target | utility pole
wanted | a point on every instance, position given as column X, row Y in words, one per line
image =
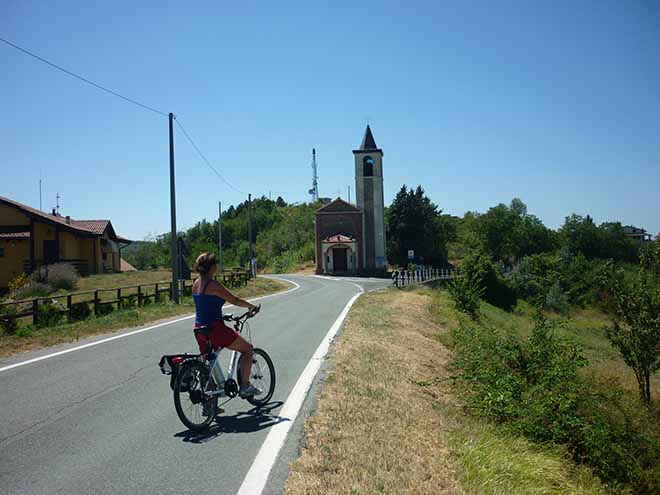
column 349, row 194
column 175, row 255
column 220, row 234
column 40, row 208
column 250, row 229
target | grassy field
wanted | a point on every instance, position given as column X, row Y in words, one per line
column 389, row 420
column 119, row 319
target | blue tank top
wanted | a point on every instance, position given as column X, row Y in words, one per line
column 208, row 308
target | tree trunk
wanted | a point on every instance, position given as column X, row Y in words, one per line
column 647, row 385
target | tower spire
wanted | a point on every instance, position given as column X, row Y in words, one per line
column 368, row 142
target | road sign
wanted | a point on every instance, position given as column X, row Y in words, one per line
column 411, row 254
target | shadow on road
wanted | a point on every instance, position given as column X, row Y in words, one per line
column 257, row 418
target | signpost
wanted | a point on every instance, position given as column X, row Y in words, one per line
column 411, row 254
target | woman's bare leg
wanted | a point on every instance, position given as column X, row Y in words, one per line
column 245, row 348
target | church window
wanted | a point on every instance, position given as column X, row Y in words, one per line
column 368, row 166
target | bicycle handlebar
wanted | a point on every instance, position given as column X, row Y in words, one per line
column 250, row 313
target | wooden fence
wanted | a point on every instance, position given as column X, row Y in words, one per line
column 128, row 296
column 402, row 278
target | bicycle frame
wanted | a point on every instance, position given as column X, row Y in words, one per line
column 230, row 371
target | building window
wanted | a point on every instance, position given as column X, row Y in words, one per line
column 2, row 252
column 368, row 166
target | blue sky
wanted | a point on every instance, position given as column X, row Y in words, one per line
column 557, row 103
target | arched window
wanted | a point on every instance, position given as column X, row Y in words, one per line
column 368, row 166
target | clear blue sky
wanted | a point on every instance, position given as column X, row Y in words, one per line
column 557, row 103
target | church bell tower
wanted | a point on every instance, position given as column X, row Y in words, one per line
column 369, row 198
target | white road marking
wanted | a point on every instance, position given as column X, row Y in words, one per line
column 134, row 332
column 257, row 476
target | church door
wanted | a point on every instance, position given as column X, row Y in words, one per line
column 339, row 260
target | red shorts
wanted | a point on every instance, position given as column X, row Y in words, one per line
column 219, row 336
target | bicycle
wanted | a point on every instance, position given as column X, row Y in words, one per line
column 200, row 380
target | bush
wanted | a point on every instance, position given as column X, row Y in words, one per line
column 556, row 300
column 48, row 315
column 25, row 331
column 104, row 309
column 62, row 276
column 80, row 311
column 131, row 301
column 8, row 319
column 34, row 289
column 466, row 295
column 532, row 387
column 18, row 282
column 481, row 270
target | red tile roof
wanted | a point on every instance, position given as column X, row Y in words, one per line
column 338, row 238
column 96, row 227
column 125, row 266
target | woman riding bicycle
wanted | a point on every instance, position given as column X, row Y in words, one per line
column 209, row 297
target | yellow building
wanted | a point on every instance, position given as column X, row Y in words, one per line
column 30, row 238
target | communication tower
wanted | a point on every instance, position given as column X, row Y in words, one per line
column 314, row 191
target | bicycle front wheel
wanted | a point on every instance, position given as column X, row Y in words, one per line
column 262, row 376
column 195, row 409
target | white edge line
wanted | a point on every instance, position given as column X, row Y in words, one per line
column 256, row 478
column 134, row 332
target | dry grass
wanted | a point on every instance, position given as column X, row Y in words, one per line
column 376, row 430
column 388, row 419
column 118, row 320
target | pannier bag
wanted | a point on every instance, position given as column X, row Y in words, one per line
column 170, row 365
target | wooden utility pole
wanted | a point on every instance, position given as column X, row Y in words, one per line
column 220, row 235
column 250, row 229
column 175, row 256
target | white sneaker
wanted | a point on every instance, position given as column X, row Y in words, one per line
column 249, row 391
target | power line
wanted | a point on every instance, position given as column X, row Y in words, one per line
column 91, row 83
column 208, row 163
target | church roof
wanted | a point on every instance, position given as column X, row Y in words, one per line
column 337, row 206
column 368, row 142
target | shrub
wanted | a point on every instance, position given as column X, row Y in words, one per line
column 479, row 268
column 466, row 294
column 34, row 289
column 25, row 331
column 80, row 311
column 8, row 319
column 18, row 282
column 131, row 301
column 556, row 300
column 48, row 315
column 104, row 309
column 62, row 276
column 532, row 387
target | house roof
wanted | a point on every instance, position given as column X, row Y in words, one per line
column 631, row 229
column 338, row 206
column 338, row 239
column 86, row 227
column 125, row 266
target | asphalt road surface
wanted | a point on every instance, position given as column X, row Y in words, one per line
column 101, row 419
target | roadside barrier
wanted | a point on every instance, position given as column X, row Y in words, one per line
column 404, row 277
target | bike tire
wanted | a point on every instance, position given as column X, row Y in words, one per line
column 261, row 362
column 191, row 379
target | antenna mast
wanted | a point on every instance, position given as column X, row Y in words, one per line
column 314, row 191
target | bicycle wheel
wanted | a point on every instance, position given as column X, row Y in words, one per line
column 262, row 376
column 195, row 410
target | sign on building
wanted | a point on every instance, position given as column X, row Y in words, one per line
column 411, row 254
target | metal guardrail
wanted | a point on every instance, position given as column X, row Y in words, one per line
column 402, row 278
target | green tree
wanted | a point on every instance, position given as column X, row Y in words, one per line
column 414, row 222
column 636, row 332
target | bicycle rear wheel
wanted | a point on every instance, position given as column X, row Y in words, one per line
column 195, row 409
column 262, row 376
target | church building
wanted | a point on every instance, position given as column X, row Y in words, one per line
column 350, row 238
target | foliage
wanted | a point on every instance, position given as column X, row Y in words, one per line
column 25, row 331
column 80, row 311
column 104, row 309
column 416, row 223
column 21, row 280
column 130, row 301
column 466, row 294
column 649, row 258
column 606, row 241
column 636, row 333
column 557, row 300
column 34, row 289
column 61, row 276
column 8, row 321
column 533, row 387
column 48, row 315
column 480, row 269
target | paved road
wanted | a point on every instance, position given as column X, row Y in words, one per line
column 101, row 419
